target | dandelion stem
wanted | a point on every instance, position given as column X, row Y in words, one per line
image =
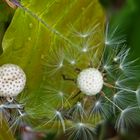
column 111, row 101
column 116, row 87
column 129, row 90
column 109, row 85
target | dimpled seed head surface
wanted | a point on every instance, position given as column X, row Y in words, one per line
column 12, row 80
column 90, row 81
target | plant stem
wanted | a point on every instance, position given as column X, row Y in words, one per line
column 111, row 101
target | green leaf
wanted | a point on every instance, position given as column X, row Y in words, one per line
column 5, row 18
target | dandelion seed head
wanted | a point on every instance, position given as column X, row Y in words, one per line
column 90, row 81
column 12, row 80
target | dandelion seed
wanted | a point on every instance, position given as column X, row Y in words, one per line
column 123, row 99
column 80, row 124
column 18, row 120
column 111, row 37
column 57, row 117
column 77, row 111
column 107, row 42
column 106, row 67
column 84, row 50
column 79, row 104
column 86, row 32
column 123, row 81
column 100, row 110
column 115, row 96
column 73, row 62
column 60, row 65
column 81, row 131
column 128, row 118
column 121, row 67
column 55, row 64
column 61, row 93
column 115, row 59
column 97, row 103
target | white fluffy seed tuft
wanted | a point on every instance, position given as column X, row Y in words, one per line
column 12, row 80
column 90, row 81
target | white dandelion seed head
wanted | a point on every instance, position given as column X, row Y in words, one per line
column 12, row 80
column 90, row 81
